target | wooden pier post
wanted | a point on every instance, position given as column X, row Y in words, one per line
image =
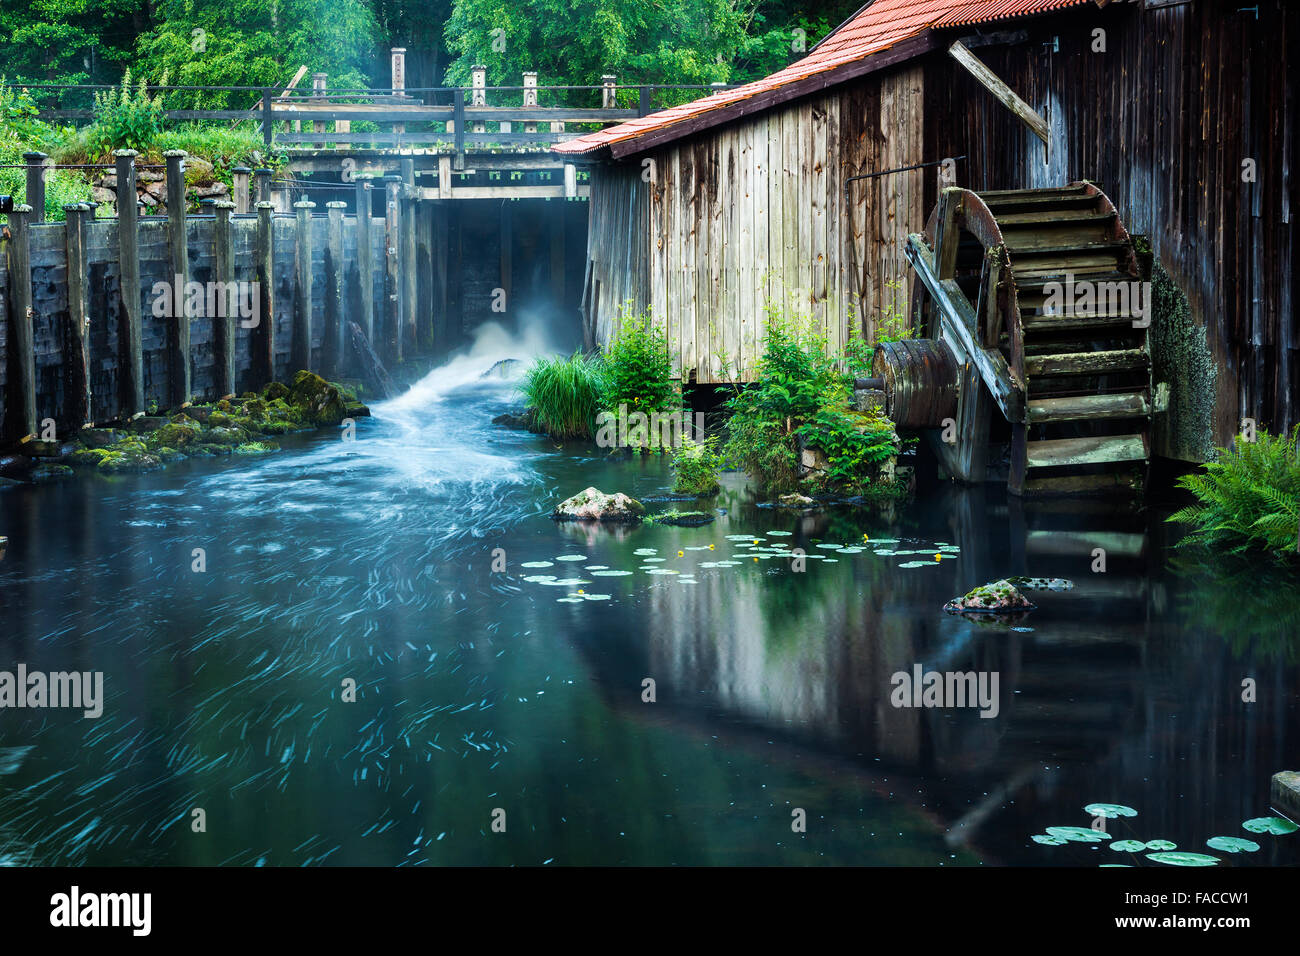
column 264, row 335
column 128, row 268
column 22, row 337
column 262, row 178
column 392, row 331
column 224, row 255
column 365, row 260
column 77, row 357
column 332, row 340
column 530, row 99
column 608, row 91
column 178, row 337
column 424, row 273
column 239, row 178
column 409, row 336
column 318, row 81
column 36, row 184
column 399, row 81
column 478, row 92
column 300, row 350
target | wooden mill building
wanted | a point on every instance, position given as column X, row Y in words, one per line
column 803, row 187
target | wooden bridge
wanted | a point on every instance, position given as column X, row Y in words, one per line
column 503, row 131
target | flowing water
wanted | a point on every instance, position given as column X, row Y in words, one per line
column 516, row 698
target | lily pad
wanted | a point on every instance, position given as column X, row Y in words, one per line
column 1048, row 840
column 780, row 534
column 571, row 557
column 1128, row 846
column 1274, row 825
column 1232, row 844
column 1183, row 858
column 1109, row 810
column 1161, row 845
column 610, row 574
column 537, row 564
column 917, row 564
column 1079, row 834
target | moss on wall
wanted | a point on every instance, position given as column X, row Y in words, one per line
column 1181, row 358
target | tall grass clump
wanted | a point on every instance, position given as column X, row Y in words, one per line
column 1249, row 498
column 563, row 395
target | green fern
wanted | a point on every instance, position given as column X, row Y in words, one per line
column 1249, row 498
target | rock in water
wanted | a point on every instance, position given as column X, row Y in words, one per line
column 998, row 597
column 594, row 505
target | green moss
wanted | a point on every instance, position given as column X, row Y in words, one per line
column 319, row 402
column 257, row 448
column 167, row 454
column 1181, row 358
column 225, row 436
column 88, row 457
column 273, row 391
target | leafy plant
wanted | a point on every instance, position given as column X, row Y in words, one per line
column 127, row 117
column 852, row 442
column 695, row 467
column 1249, row 498
column 564, row 394
column 639, row 371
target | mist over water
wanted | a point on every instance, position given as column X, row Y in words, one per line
column 370, row 561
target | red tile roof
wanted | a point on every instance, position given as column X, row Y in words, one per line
column 877, row 27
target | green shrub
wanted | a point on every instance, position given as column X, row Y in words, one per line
column 802, row 397
column 695, row 467
column 639, row 370
column 127, row 118
column 564, row 394
column 1249, row 498
column 854, row 444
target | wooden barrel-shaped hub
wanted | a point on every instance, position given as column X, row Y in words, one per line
column 921, row 382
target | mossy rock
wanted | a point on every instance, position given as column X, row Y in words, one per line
column 148, row 423
column 321, row 403
column 277, row 428
column 117, row 461
column 167, row 454
column 224, row 436
column 208, row 450
column 273, row 391
column 223, row 405
column 999, row 597
column 88, row 457
column 100, row 437
column 255, row 408
column 46, row 473
column 685, row 519
column 257, row 448
column 180, row 431
column 591, row 504
column 200, row 413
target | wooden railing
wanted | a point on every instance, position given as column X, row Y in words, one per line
column 453, row 117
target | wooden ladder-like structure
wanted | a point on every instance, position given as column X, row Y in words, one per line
column 1041, row 296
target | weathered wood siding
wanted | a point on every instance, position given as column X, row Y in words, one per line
column 1162, row 120
column 758, row 212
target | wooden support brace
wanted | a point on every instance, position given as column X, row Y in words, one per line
column 1005, row 95
column 128, row 259
column 300, row 357
column 78, row 351
column 178, row 339
column 223, row 243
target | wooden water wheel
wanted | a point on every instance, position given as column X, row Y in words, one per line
column 1037, row 297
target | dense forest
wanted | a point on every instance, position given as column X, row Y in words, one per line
column 264, row 42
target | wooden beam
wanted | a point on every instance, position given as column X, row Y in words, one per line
column 503, row 192
column 957, row 319
column 1004, row 94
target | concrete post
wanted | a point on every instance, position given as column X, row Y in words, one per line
column 36, row 184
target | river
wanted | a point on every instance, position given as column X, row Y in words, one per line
column 502, row 718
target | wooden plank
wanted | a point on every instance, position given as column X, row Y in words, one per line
column 817, row 221
column 958, row 322
column 1087, row 363
column 1090, row 407
column 1004, row 94
column 225, row 321
column 1085, row 451
column 77, row 353
column 178, row 339
column 743, row 301
column 263, row 363
column 20, row 417
column 790, row 210
column 128, row 259
column 761, row 225
column 671, row 251
column 300, row 347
